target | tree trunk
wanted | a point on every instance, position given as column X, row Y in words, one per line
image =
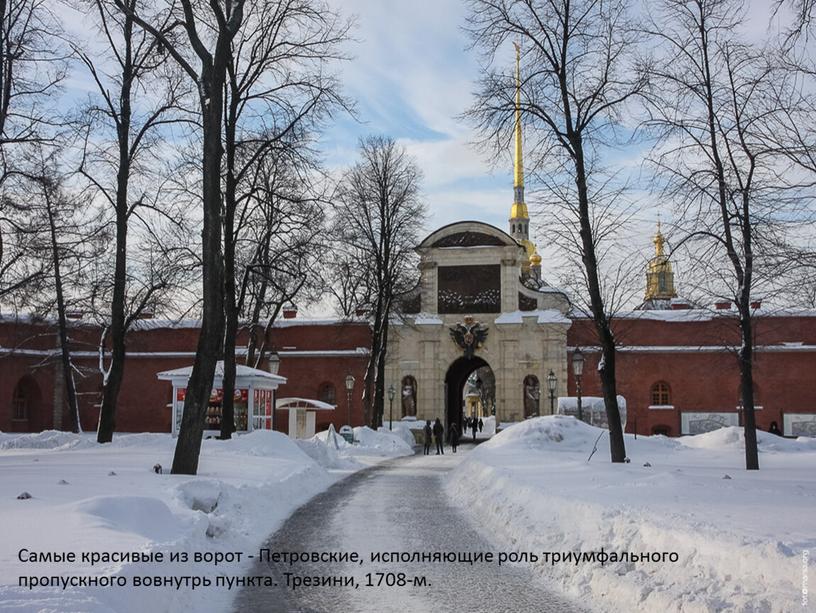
column 230, row 306
column 379, row 385
column 188, row 446
column 62, row 330
column 617, row 446
column 112, row 380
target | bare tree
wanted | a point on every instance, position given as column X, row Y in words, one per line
column 378, row 215
column 579, row 75
column 276, row 90
column 209, row 29
column 348, row 283
column 279, row 247
column 139, row 72
column 32, row 67
column 714, row 104
column 67, row 236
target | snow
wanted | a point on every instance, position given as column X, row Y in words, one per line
column 404, row 428
column 241, row 372
column 739, row 538
column 545, row 316
column 88, row 497
column 384, row 443
column 424, row 319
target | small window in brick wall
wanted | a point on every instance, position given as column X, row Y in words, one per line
column 326, row 393
column 661, row 395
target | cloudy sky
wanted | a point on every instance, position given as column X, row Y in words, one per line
column 411, row 76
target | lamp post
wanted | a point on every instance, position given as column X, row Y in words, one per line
column 391, row 392
column 273, row 362
column 578, row 371
column 349, row 388
column 552, row 383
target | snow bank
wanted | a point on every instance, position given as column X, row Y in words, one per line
column 731, row 437
column 326, row 454
column 107, row 498
column 49, row 439
column 380, row 443
column 402, row 430
column 739, row 540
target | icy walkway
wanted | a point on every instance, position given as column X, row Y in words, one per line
column 398, row 506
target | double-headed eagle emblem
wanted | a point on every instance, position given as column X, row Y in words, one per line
column 470, row 335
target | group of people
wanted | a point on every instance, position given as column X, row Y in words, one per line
column 436, row 433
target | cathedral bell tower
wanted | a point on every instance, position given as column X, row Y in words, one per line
column 659, row 273
column 519, row 221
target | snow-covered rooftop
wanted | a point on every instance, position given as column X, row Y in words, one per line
column 241, row 372
column 543, row 316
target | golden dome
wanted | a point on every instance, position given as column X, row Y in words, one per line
column 659, row 273
column 535, row 259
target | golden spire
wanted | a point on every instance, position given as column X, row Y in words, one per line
column 658, row 241
column 519, row 210
column 518, row 167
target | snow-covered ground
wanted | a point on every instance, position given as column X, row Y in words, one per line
column 107, row 498
column 739, row 535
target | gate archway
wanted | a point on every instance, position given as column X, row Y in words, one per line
column 455, row 380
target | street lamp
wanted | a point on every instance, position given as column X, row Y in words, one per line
column 273, row 363
column 578, row 371
column 349, row 388
column 552, row 383
column 391, row 392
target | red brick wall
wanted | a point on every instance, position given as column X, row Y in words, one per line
column 699, row 381
column 702, row 380
column 143, row 400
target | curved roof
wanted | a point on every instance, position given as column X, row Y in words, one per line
column 482, row 233
column 241, row 372
column 309, row 404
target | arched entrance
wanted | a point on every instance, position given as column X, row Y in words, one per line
column 455, row 380
column 26, row 415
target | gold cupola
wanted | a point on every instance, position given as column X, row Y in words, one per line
column 659, row 274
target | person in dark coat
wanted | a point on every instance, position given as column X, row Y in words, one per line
column 481, row 424
column 438, row 432
column 774, row 429
column 474, row 426
column 453, row 433
column 428, row 437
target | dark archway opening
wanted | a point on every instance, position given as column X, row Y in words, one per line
column 455, row 380
column 26, row 414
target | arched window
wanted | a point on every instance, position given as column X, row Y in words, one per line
column 327, row 393
column 532, row 396
column 661, row 394
column 25, row 404
column 19, row 403
column 408, row 394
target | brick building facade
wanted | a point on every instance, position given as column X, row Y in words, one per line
column 316, row 356
column 677, row 362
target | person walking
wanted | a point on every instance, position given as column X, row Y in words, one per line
column 439, row 432
column 453, row 433
column 774, row 429
column 428, row 437
column 481, row 424
column 474, row 426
